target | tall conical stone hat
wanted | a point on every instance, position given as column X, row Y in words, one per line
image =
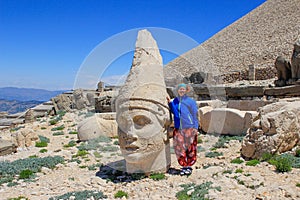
column 145, row 79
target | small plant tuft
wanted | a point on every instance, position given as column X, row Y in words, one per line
column 213, row 154
column 239, row 171
column 43, row 150
column 236, row 161
column 120, row 194
column 81, row 195
column 157, row 176
column 41, row 144
column 25, row 174
column 252, row 162
column 199, row 191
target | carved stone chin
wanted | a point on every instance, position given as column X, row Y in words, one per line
column 142, row 111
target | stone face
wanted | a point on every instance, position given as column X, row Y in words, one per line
column 225, row 120
column 96, row 126
column 79, row 100
column 142, row 111
column 275, row 130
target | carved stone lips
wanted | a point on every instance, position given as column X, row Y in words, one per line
column 131, row 148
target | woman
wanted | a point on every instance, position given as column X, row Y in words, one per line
column 185, row 133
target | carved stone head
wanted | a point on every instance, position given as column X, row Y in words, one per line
column 142, row 111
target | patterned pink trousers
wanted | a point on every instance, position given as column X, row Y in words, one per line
column 185, row 146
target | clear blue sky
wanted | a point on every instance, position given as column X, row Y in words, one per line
column 43, row 43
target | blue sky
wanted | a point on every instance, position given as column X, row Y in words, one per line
column 44, row 43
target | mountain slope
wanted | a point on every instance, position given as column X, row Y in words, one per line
column 27, row 94
column 257, row 38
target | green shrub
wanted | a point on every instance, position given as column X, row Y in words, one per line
column 199, row 140
column 237, row 161
column 53, row 121
column 81, row 153
column 121, row 194
column 283, row 164
column 266, row 156
column 97, row 154
column 213, row 154
column 116, row 142
column 58, row 133
column 252, row 162
column 43, row 128
column 9, row 170
column 94, row 144
column 81, row 195
column 239, row 171
column 59, row 128
column 94, row 166
column 285, row 160
column 71, row 143
column 297, row 184
column 44, row 139
column 73, row 132
column 19, row 198
column 157, row 176
column 297, row 153
column 25, row 174
column 41, row 144
column 43, row 150
column 199, row 191
column 227, row 172
column 16, row 129
column 225, row 139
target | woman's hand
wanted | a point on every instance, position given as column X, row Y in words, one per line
column 168, row 99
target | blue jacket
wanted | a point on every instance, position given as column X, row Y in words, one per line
column 185, row 112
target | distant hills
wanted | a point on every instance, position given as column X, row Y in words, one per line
column 27, row 94
column 14, row 106
column 14, row 100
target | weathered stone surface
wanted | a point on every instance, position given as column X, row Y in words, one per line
column 295, row 61
column 24, row 137
column 225, row 120
column 7, row 147
column 142, row 111
column 29, row 116
column 247, row 105
column 292, row 90
column 96, row 126
column 284, row 73
column 105, row 101
column 275, row 130
column 80, row 101
column 62, row 102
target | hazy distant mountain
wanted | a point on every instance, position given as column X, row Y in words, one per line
column 27, row 94
column 14, row 106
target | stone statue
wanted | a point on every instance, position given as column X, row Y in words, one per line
column 79, row 100
column 283, row 68
column 142, row 111
column 295, row 61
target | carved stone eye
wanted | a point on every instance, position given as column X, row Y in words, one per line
column 141, row 120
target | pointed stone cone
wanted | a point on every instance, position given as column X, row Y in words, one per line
column 145, row 79
column 142, row 111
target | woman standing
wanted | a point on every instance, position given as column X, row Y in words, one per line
column 185, row 133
